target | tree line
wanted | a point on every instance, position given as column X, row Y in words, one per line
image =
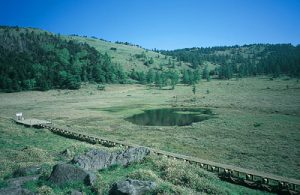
column 247, row 60
column 167, row 77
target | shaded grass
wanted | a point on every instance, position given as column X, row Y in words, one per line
column 42, row 186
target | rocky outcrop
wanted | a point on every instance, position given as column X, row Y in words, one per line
column 63, row 173
column 132, row 187
column 97, row 159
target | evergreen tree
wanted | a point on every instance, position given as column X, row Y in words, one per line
column 150, row 76
column 194, row 89
column 158, row 80
column 205, row 73
column 197, row 75
column 185, row 77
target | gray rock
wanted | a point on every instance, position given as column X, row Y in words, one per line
column 19, row 181
column 15, row 191
column 15, row 186
column 25, row 171
column 132, row 187
column 97, row 159
column 63, row 173
column 75, row 192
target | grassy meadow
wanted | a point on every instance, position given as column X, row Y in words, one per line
column 21, row 147
column 256, row 126
column 125, row 54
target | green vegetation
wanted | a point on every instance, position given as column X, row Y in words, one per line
column 21, row 147
column 131, row 56
column 247, row 60
column 30, row 59
column 172, row 177
column 231, row 137
column 118, row 80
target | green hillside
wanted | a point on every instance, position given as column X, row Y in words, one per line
column 130, row 56
column 33, row 59
column 246, row 60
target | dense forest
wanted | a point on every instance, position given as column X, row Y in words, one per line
column 33, row 59
column 247, row 60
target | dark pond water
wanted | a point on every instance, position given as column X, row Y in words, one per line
column 170, row 116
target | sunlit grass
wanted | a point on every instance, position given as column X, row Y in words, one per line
column 256, row 124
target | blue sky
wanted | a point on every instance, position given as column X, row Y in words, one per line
column 162, row 24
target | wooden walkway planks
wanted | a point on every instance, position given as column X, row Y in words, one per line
column 265, row 178
column 32, row 122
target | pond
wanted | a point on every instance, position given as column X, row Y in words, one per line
column 170, row 116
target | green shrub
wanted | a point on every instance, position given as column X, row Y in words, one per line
column 142, row 174
column 3, row 184
column 187, row 175
column 101, row 87
column 45, row 190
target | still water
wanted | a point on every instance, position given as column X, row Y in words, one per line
column 170, row 116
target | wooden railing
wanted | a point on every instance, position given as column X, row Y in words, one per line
column 246, row 177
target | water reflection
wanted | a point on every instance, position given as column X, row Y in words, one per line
column 170, row 116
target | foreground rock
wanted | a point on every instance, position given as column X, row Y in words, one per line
column 15, row 191
column 75, row 192
column 132, row 187
column 63, row 173
column 97, row 159
column 15, row 186
column 19, row 181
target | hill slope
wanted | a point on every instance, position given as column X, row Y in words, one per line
column 247, row 60
column 35, row 59
column 130, row 56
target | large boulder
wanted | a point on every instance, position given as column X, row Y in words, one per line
column 97, row 159
column 132, row 187
column 64, row 173
column 132, row 155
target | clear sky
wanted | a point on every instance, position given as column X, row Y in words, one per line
column 162, row 24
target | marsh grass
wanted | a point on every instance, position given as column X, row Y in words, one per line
column 232, row 137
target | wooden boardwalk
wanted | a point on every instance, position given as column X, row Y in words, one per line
column 32, row 122
column 250, row 178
